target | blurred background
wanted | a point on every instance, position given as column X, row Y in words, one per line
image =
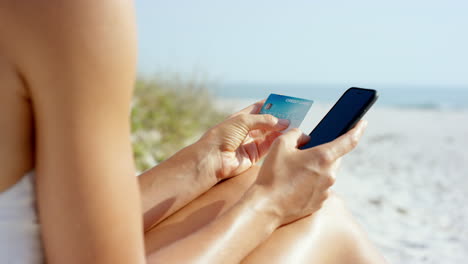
column 407, row 182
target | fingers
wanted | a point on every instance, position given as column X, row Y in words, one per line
column 345, row 143
column 251, row 109
column 265, row 144
column 266, row 122
column 293, row 138
column 303, row 140
column 258, row 133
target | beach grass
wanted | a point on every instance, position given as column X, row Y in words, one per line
column 168, row 113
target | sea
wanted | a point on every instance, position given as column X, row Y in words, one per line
column 402, row 96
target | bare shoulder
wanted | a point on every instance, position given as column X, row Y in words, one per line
column 76, row 60
column 48, row 37
column 72, row 53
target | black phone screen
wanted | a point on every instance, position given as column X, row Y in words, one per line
column 347, row 111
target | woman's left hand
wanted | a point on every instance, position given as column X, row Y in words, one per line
column 241, row 140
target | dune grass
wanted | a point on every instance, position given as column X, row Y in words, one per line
column 167, row 114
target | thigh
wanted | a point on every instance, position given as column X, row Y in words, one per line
column 200, row 211
column 328, row 236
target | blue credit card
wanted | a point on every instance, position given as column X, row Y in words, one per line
column 286, row 107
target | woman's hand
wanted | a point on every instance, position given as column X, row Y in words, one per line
column 225, row 150
column 241, row 140
column 295, row 182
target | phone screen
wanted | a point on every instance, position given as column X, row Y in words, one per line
column 343, row 116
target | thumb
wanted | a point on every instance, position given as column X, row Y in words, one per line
column 266, row 122
column 293, row 138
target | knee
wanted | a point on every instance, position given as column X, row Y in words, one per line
column 328, row 218
column 333, row 216
column 338, row 233
column 333, row 202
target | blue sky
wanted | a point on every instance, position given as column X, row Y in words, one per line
column 403, row 42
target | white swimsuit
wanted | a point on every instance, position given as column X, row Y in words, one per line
column 20, row 241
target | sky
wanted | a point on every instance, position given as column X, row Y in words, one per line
column 410, row 42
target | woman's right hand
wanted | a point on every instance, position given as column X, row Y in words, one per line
column 296, row 182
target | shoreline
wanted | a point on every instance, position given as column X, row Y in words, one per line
column 221, row 102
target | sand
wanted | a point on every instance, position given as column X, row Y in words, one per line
column 407, row 182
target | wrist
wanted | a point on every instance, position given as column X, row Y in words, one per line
column 257, row 200
column 186, row 175
column 191, row 166
column 204, row 162
column 209, row 158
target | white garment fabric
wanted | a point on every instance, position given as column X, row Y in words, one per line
column 20, row 241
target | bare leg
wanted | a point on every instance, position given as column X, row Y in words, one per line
column 328, row 236
column 199, row 212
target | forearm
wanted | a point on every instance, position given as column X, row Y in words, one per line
column 229, row 238
column 172, row 184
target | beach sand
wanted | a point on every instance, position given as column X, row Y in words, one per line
column 407, row 181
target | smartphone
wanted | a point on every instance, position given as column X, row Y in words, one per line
column 346, row 112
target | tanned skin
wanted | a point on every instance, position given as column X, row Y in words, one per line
column 67, row 69
column 71, row 68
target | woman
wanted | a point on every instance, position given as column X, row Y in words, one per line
column 66, row 69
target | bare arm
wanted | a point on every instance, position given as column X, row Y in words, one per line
column 78, row 61
column 174, row 183
column 291, row 184
column 226, row 150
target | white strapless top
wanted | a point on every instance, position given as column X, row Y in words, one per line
column 20, row 241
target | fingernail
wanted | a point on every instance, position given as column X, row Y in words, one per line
column 283, row 122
